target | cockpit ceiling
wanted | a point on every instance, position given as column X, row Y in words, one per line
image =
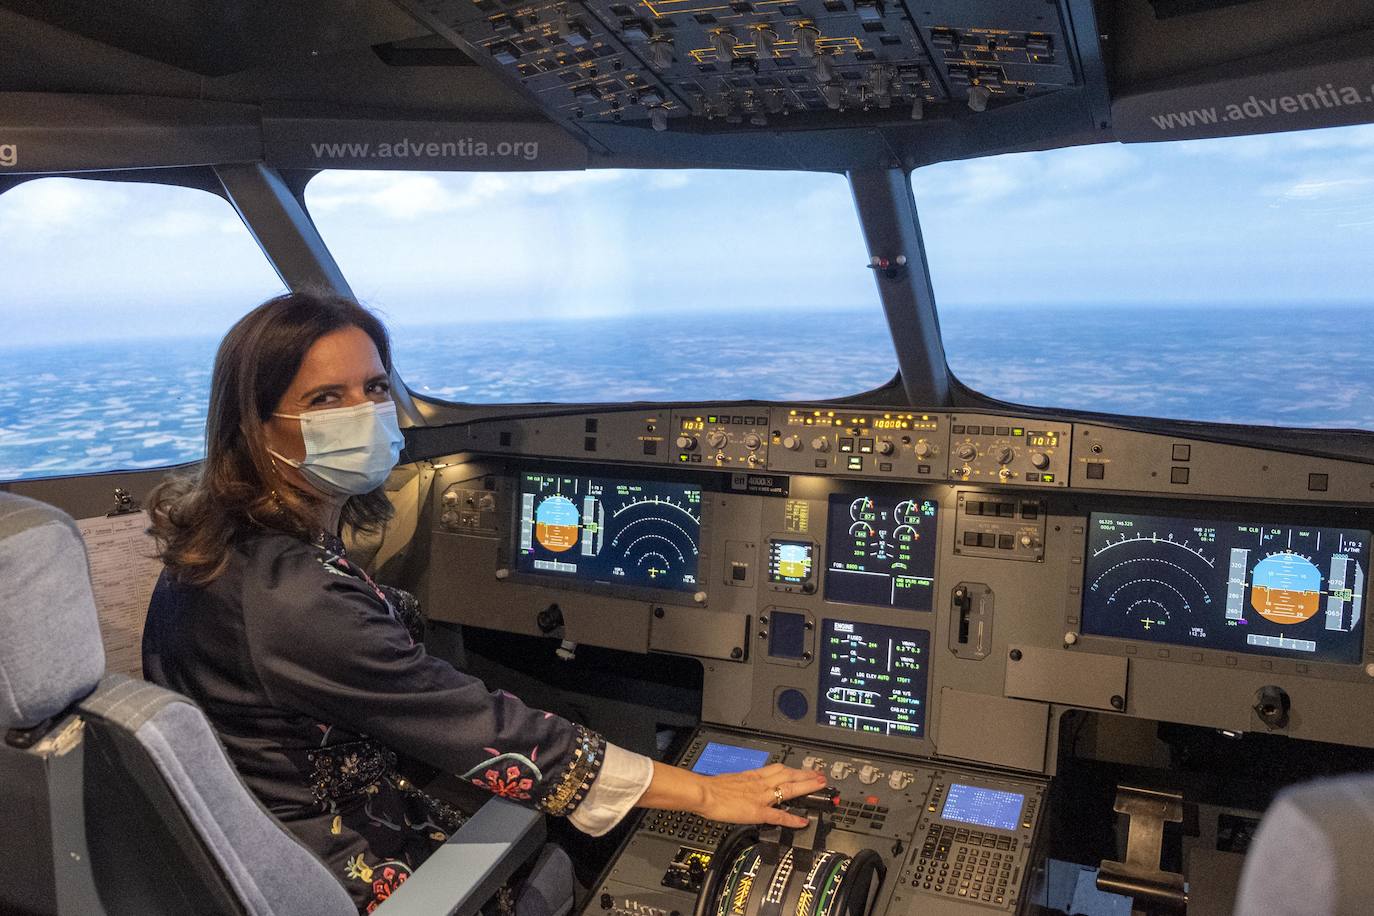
column 774, row 83
column 722, row 64
column 213, row 39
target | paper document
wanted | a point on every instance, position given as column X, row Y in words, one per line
column 124, row 570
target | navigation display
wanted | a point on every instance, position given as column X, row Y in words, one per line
column 982, row 806
column 717, row 758
column 873, row 678
column 595, row 529
column 882, row 551
column 1292, row 590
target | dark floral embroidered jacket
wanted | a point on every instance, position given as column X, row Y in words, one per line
column 317, row 683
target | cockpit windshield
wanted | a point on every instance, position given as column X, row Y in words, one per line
column 1219, row 280
column 602, row 286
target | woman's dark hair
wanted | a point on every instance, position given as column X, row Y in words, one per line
column 195, row 519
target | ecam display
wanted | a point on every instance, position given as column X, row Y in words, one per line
column 881, row 550
column 873, row 678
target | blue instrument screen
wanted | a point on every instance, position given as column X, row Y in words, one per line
column 728, row 758
column 984, row 807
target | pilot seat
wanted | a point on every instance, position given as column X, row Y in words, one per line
column 118, row 797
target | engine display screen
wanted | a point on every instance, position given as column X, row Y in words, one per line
column 984, row 807
column 790, row 561
column 595, row 529
column 717, row 758
column 873, row 678
column 1289, row 590
column 882, row 551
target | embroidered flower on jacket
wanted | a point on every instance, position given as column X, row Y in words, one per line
column 508, row 775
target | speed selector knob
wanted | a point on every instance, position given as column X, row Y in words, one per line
column 922, row 448
column 821, row 444
column 716, row 439
column 686, row 443
column 792, row 443
column 885, row 447
column 752, row 442
column 967, row 453
column 1004, row 455
column 1039, row 460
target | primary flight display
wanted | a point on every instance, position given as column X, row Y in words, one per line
column 1295, row 590
column 607, row 530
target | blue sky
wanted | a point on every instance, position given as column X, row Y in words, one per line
column 1283, row 219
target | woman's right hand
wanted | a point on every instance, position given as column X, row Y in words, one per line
column 750, row 797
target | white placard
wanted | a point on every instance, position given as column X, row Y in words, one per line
column 124, row 570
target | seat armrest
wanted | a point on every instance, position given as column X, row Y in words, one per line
column 463, row 874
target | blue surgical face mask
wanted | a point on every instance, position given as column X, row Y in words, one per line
column 349, row 451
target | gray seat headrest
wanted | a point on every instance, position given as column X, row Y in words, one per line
column 51, row 654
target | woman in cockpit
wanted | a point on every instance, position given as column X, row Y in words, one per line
column 311, row 672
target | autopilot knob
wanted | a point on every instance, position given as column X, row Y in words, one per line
column 1039, row 460
column 1004, row 455
column 885, row 447
column 752, row 441
column 686, row 443
column 966, row 452
column 792, row 443
column 821, row 444
column 922, row 448
column 716, row 439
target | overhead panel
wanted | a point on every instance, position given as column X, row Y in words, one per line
column 712, row 65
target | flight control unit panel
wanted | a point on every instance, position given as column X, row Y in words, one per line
column 913, row 602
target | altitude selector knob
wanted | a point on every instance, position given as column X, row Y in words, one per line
column 821, row 444
column 686, row 443
column 922, row 448
column 885, row 447
column 967, row 453
column 716, row 439
column 792, row 443
column 1004, row 455
column 1039, row 460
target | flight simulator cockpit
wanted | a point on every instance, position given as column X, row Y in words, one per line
column 998, row 544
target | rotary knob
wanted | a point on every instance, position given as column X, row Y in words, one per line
column 900, row 779
column 967, row 452
column 922, row 448
column 1039, row 460
column 821, row 444
column 869, row 774
column 814, row 763
column 752, row 442
column 1004, row 455
column 792, row 443
column 885, row 447
column 716, row 439
column 841, row 769
column 686, row 443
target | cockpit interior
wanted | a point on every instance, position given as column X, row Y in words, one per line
column 1058, row 624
